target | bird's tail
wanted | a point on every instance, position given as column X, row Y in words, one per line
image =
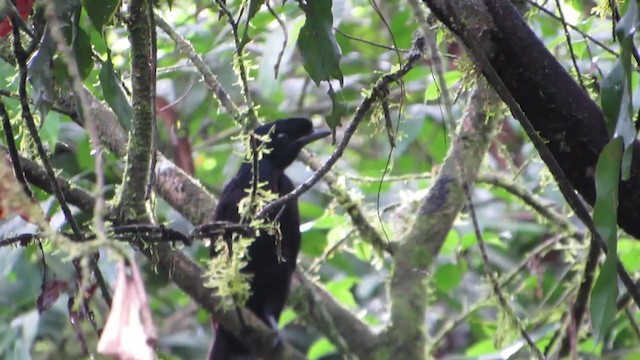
column 226, row 347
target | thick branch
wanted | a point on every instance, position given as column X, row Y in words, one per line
column 37, row 176
column 339, row 324
column 559, row 110
column 131, row 201
column 548, row 104
column 421, row 244
column 181, row 191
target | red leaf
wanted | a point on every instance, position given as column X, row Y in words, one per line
column 24, row 9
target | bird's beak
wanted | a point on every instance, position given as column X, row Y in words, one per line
column 315, row 135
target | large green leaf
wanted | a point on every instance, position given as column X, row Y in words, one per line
column 317, row 43
column 254, row 7
column 114, row 94
column 605, row 291
column 100, row 12
column 83, row 52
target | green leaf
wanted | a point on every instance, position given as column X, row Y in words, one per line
column 320, row 348
column 605, row 290
column 329, row 221
column 629, row 254
column 482, row 347
column 627, row 26
column 50, row 129
column 451, row 243
column 613, row 88
column 448, row 276
column 286, row 317
column 83, row 52
column 114, row 94
column 603, row 300
column 607, row 179
column 433, row 92
column 254, row 7
column 317, row 43
column 101, row 12
column 341, row 291
column 83, row 154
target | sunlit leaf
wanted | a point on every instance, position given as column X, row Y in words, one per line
column 341, row 290
column 320, row 348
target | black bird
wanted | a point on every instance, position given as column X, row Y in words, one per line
column 271, row 274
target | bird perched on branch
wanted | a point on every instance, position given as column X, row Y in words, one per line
column 271, row 260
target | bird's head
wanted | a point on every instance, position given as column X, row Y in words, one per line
column 287, row 137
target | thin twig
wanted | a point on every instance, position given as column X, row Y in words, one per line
column 567, row 35
column 242, row 69
column 78, row 89
column 285, row 33
column 438, row 65
column 209, row 78
column 573, row 27
column 33, row 132
column 632, row 320
column 489, row 271
column 582, row 297
column 545, row 210
column 397, row 178
column 13, row 150
column 368, row 42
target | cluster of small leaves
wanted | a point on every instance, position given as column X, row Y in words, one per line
column 224, row 272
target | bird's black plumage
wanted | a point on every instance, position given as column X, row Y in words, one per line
column 271, row 275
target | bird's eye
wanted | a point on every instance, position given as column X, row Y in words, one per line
column 283, row 137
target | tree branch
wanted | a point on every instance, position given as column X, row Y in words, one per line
column 340, row 325
column 181, row 191
column 131, row 195
column 548, row 104
column 421, row 243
